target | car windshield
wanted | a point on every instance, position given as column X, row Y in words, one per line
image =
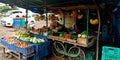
column 12, row 12
column 16, row 12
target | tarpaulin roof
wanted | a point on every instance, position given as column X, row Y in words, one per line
column 36, row 4
column 41, row 2
column 48, row 2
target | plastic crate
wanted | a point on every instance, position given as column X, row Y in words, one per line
column 16, row 23
column 13, row 47
column 24, row 51
column 22, row 22
column 110, row 53
column 10, row 46
column 90, row 55
column 28, row 58
column 41, row 37
column 42, row 49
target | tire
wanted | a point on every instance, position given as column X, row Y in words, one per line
column 73, row 50
column 55, row 52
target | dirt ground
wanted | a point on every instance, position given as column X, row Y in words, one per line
column 9, row 31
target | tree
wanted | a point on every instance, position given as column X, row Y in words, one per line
column 4, row 9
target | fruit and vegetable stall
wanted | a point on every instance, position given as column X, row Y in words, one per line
column 25, row 46
column 74, row 43
column 36, row 43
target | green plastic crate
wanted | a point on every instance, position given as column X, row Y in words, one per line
column 110, row 53
column 89, row 56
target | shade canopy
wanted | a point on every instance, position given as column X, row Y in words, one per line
column 38, row 4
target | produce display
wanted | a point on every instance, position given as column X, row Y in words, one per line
column 32, row 39
column 25, row 36
column 55, row 37
column 22, row 45
column 83, row 34
column 11, row 40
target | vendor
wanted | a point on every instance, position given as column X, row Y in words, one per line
column 55, row 26
column 31, row 25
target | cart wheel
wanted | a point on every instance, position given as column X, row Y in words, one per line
column 58, row 46
column 77, row 51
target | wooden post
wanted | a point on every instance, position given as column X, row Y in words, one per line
column 45, row 10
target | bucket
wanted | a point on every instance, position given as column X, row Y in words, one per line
column 16, row 23
column 22, row 22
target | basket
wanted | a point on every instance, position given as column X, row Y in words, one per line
column 110, row 53
column 83, row 41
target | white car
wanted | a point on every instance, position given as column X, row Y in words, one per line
column 8, row 20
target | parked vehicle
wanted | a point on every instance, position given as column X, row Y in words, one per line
column 10, row 15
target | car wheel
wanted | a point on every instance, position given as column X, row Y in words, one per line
column 3, row 25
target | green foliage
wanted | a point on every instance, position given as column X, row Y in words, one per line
column 4, row 9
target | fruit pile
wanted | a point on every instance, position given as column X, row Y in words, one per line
column 32, row 39
column 83, row 34
column 25, row 36
column 11, row 40
column 22, row 45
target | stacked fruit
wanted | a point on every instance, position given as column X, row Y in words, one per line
column 22, row 45
column 25, row 36
column 32, row 39
column 83, row 34
column 11, row 40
